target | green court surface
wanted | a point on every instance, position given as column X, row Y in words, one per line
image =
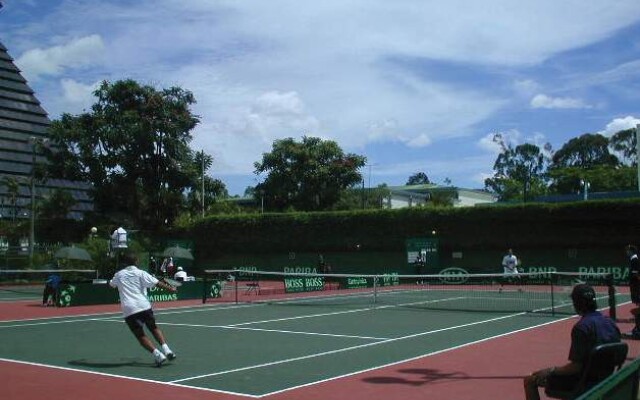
column 256, row 349
column 19, row 293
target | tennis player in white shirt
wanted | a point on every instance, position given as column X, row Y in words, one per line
column 132, row 283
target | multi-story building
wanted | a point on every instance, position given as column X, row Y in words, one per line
column 23, row 124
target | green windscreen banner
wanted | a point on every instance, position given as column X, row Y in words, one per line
column 87, row 293
column 360, row 282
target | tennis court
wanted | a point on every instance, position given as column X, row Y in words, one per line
column 306, row 348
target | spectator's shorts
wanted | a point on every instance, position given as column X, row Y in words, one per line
column 562, row 382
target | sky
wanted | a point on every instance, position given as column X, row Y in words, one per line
column 414, row 86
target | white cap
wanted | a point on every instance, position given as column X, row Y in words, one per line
column 179, row 268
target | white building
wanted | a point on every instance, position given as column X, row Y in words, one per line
column 418, row 195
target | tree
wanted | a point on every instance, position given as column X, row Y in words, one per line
column 58, row 205
column 308, row 175
column 13, row 190
column 359, row 198
column 133, row 147
column 624, row 143
column 589, row 152
column 585, row 151
column 214, row 189
column 419, row 178
column 519, row 171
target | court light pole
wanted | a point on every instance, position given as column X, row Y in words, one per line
column 638, row 152
column 32, row 224
column 202, row 184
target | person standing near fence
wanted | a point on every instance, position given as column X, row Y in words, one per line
column 634, row 288
column 132, row 284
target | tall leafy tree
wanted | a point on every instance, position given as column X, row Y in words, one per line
column 519, row 171
column 307, row 175
column 585, row 151
column 583, row 158
column 419, row 178
column 624, row 143
column 133, row 147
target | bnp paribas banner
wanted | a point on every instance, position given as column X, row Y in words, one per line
column 296, row 284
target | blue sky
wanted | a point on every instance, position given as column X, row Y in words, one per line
column 415, row 86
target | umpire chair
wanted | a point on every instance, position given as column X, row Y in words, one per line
column 603, row 361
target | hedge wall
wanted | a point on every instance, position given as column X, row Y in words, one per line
column 590, row 224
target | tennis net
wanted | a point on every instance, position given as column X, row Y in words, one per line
column 27, row 283
column 527, row 292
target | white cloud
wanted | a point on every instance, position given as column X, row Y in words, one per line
column 266, row 70
column 526, row 87
column 54, row 60
column 620, row 124
column 78, row 95
column 421, row 140
column 544, row 101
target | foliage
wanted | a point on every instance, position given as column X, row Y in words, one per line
column 309, row 175
column 600, row 178
column 133, row 147
column 531, row 225
column 57, row 206
column 419, row 178
column 442, row 198
column 519, row 171
column 579, row 155
column 362, row 199
column 586, row 151
column 624, row 143
column 13, row 189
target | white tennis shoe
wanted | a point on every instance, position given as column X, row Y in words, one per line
column 159, row 358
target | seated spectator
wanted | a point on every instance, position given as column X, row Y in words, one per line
column 180, row 275
column 591, row 330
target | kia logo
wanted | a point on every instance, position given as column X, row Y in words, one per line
column 454, row 276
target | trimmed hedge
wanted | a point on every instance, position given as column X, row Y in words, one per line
column 535, row 225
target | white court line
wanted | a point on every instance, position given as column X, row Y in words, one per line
column 127, row 377
column 423, row 355
column 410, row 359
column 347, row 311
column 273, row 330
column 82, row 317
column 173, row 384
column 345, row 349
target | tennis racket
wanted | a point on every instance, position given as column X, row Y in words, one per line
column 172, row 282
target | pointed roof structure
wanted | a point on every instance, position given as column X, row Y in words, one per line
column 23, row 122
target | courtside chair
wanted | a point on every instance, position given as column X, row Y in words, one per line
column 603, row 361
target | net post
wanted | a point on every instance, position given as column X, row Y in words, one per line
column 204, row 288
column 375, row 290
column 235, row 284
column 612, row 297
column 552, row 277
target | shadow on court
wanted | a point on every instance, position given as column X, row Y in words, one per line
column 110, row 364
column 430, row 376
